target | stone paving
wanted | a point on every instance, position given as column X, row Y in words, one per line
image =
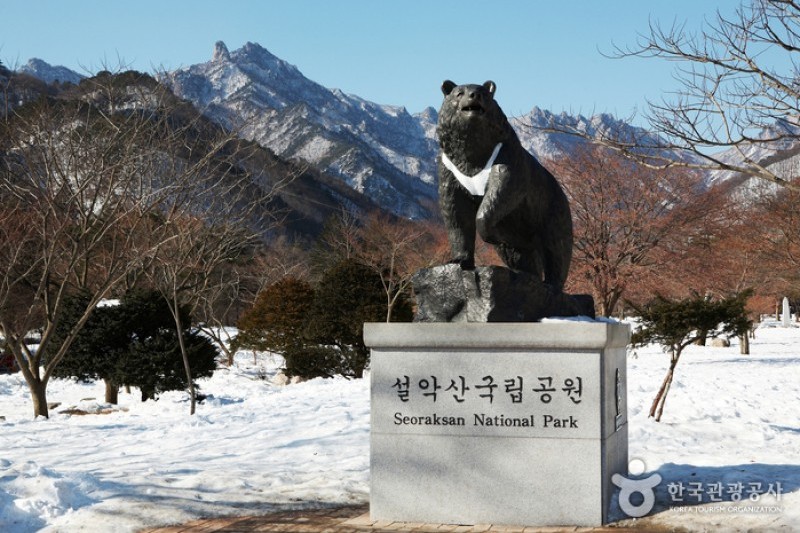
column 355, row 519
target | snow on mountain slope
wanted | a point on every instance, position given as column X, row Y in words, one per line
column 381, row 151
column 50, row 73
column 777, row 147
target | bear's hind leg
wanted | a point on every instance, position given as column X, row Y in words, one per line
column 557, row 257
column 521, row 259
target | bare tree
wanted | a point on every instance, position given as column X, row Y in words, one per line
column 623, row 214
column 218, row 308
column 396, row 249
column 76, row 190
column 99, row 187
column 279, row 259
column 189, row 251
column 188, row 269
column 339, row 240
column 738, row 90
column 775, row 217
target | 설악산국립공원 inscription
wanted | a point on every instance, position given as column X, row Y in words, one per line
column 518, row 399
column 516, row 424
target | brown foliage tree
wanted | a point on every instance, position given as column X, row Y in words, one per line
column 623, row 215
column 396, row 249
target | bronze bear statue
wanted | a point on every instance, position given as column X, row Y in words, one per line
column 490, row 184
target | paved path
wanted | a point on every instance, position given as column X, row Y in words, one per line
column 355, row 519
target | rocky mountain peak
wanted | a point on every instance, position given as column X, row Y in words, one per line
column 256, row 53
column 220, row 52
column 379, row 150
column 50, row 73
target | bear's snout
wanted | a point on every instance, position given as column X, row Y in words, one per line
column 472, row 102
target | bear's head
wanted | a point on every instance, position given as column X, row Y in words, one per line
column 470, row 113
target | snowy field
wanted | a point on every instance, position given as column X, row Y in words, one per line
column 255, row 447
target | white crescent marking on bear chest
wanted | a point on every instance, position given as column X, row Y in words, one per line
column 476, row 185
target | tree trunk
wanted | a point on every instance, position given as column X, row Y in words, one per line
column 610, row 304
column 112, row 392
column 661, row 397
column 176, row 314
column 188, row 368
column 744, row 344
column 39, row 396
column 702, row 336
column 37, row 386
column 390, row 301
column 664, row 397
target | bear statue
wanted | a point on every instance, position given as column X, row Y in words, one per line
column 489, row 184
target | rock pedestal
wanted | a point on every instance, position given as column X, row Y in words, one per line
column 491, row 294
column 515, row 424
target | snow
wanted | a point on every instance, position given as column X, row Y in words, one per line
column 729, row 418
column 316, row 149
column 254, row 447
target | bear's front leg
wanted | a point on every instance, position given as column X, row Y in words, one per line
column 498, row 202
column 459, row 210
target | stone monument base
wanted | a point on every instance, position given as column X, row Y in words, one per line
column 515, row 424
column 447, row 293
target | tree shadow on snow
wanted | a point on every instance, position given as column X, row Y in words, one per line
column 751, row 484
column 12, row 518
column 768, row 361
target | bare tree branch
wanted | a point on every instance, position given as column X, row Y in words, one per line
column 739, row 89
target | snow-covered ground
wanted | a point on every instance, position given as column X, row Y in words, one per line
column 253, row 447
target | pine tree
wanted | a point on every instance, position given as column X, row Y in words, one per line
column 133, row 343
column 153, row 361
column 97, row 349
column 677, row 324
column 348, row 295
column 277, row 323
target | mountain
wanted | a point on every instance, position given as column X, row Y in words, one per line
column 49, row 73
column 300, row 197
column 379, row 150
column 776, row 147
column 545, row 146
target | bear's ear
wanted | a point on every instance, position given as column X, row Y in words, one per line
column 447, row 87
column 490, row 86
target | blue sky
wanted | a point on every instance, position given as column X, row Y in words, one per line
column 544, row 53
